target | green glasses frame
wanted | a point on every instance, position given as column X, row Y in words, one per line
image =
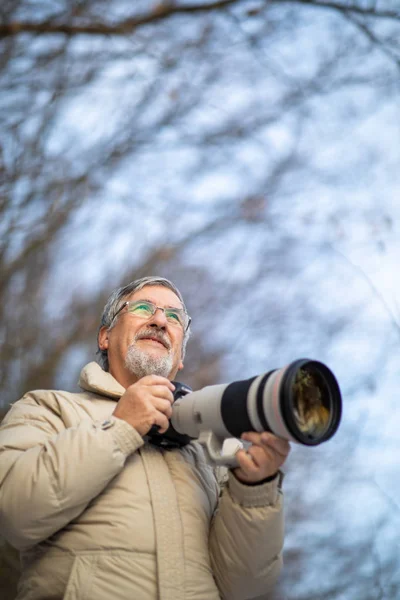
column 174, row 316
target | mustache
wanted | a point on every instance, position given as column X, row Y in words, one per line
column 158, row 335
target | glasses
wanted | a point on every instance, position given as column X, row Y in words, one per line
column 144, row 309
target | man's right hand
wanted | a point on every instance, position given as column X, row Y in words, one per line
column 146, row 403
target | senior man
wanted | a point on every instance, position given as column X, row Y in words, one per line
column 99, row 513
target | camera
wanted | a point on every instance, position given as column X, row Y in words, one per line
column 300, row 402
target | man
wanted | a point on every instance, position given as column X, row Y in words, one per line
column 98, row 512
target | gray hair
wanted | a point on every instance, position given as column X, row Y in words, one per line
column 116, row 300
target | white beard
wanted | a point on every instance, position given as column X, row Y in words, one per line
column 141, row 363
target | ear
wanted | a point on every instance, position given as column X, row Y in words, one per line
column 180, row 366
column 103, row 338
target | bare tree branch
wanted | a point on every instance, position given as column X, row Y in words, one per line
column 374, row 39
column 128, row 26
column 345, row 8
column 163, row 11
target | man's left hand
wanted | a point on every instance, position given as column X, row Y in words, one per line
column 262, row 459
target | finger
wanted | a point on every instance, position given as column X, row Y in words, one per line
column 162, row 421
column 251, row 436
column 278, row 444
column 259, row 454
column 268, row 440
column 157, row 380
column 164, row 407
column 161, row 391
column 246, row 462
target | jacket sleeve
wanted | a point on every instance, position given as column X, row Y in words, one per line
column 246, row 539
column 49, row 473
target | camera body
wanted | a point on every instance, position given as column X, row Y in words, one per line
column 171, row 438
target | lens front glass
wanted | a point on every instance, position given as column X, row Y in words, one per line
column 311, row 406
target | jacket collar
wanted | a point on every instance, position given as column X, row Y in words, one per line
column 94, row 379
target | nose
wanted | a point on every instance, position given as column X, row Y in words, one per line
column 159, row 319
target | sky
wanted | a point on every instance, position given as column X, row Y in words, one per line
column 306, row 251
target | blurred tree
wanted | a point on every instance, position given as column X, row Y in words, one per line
column 236, row 147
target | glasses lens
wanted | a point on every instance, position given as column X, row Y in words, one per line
column 174, row 316
column 312, row 410
column 142, row 309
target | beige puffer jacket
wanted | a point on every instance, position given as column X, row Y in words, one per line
column 99, row 514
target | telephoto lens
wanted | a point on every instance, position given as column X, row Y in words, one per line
column 300, row 402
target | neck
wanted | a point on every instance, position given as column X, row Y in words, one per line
column 123, row 377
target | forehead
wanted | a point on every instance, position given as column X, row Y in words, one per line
column 160, row 295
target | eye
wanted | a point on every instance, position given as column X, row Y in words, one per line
column 143, row 309
column 173, row 316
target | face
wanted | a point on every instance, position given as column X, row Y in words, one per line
column 138, row 346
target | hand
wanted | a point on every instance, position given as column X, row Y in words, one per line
column 146, row 403
column 263, row 459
